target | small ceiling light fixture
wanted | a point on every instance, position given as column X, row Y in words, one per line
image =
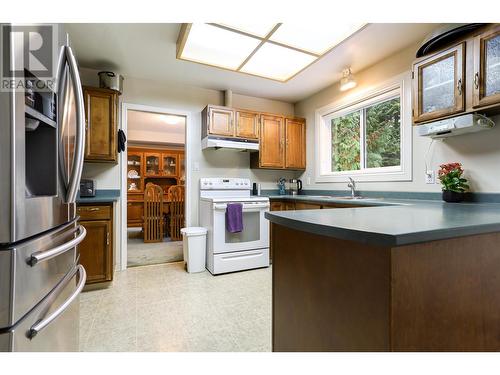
column 347, row 82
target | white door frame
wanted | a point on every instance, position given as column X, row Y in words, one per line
column 123, row 170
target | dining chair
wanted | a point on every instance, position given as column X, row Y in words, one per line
column 153, row 213
column 176, row 195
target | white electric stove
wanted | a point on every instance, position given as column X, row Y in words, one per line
column 229, row 252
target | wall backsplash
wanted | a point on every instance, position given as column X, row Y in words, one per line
column 479, row 153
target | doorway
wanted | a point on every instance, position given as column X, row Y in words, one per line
column 154, row 185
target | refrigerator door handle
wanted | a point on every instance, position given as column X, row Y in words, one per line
column 40, row 325
column 41, row 256
column 74, row 180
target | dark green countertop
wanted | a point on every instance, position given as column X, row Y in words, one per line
column 101, row 196
column 391, row 222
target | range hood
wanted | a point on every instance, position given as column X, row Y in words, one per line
column 229, row 144
column 470, row 123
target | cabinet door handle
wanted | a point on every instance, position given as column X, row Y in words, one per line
column 459, row 86
column 476, row 80
column 89, row 208
column 107, row 238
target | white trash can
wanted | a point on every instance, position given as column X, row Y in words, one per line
column 194, row 248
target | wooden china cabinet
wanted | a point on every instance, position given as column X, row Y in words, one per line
column 162, row 166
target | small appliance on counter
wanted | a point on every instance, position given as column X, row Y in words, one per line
column 295, row 186
column 282, row 186
column 256, row 188
column 87, row 188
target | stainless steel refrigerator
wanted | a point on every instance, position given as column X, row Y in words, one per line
column 41, row 157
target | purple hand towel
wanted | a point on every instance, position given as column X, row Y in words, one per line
column 234, row 217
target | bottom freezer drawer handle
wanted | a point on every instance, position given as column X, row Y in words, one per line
column 41, row 324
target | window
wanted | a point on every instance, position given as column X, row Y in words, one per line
column 368, row 139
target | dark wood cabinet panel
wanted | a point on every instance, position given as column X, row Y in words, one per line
column 101, row 124
column 437, row 296
column 96, row 250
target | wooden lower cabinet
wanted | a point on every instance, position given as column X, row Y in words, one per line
column 135, row 213
column 307, row 206
column 276, row 206
column 96, row 250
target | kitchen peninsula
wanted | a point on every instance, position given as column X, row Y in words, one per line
column 409, row 276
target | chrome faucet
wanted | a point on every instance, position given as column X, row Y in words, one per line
column 352, row 185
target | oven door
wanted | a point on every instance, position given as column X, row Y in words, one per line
column 255, row 233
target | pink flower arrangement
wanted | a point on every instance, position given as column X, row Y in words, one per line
column 450, row 175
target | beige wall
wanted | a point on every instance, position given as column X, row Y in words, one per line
column 480, row 153
column 212, row 163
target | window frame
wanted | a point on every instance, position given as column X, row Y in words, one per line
column 397, row 87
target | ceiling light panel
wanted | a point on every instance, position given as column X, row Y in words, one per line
column 216, row 46
column 317, row 38
column 276, row 62
column 259, row 29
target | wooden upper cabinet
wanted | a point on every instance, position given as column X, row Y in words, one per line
column 100, row 124
column 272, row 151
column 247, row 124
column 220, row 121
column 295, row 144
column 439, row 84
column 486, row 81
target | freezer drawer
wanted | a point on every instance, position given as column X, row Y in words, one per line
column 31, row 269
column 53, row 325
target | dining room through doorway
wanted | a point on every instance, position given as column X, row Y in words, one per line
column 156, row 180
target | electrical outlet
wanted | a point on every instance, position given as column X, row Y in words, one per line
column 430, row 178
column 196, row 166
column 308, row 180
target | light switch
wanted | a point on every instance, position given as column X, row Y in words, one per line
column 196, row 166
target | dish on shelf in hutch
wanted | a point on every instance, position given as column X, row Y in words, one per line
column 133, row 174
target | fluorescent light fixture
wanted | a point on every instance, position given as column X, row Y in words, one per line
column 315, row 38
column 269, row 50
column 259, row 29
column 347, row 82
column 276, row 62
column 216, row 46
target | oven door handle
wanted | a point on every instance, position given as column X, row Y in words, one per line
column 41, row 324
column 40, row 256
column 246, row 207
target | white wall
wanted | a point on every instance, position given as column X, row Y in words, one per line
column 191, row 99
column 479, row 153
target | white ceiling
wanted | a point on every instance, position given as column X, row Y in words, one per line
column 148, row 51
column 158, row 128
